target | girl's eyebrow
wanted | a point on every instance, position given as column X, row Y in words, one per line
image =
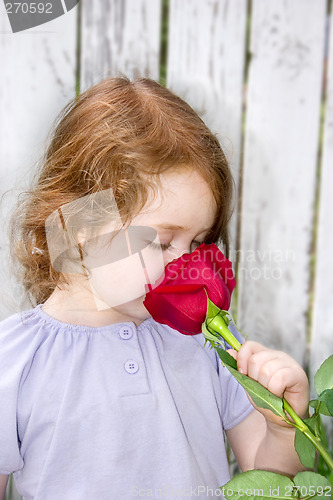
column 175, row 227
column 171, row 226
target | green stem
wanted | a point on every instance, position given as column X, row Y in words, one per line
column 301, row 425
column 298, row 422
column 218, row 325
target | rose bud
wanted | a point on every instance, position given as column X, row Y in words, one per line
column 180, row 300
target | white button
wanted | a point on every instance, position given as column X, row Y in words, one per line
column 125, row 332
column 131, row 366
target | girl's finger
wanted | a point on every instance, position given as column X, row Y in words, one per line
column 248, row 349
column 275, row 374
column 233, row 353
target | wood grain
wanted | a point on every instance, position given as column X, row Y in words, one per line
column 120, row 38
column 280, row 159
column 322, row 336
column 37, row 80
column 206, row 68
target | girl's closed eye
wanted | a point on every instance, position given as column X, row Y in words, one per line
column 160, row 246
column 168, row 246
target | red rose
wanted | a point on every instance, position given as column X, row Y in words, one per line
column 180, row 300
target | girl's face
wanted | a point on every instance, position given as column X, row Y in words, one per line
column 182, row 213
column 176, row 221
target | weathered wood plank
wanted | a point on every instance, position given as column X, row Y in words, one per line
column 206, row 67
column 281, row 145
column 120, row 37
column 37, row 79
column 322, row 335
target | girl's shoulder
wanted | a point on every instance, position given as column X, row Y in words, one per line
column 18, row 332
column 22, row 322
column 16, row 323
column 16, row 319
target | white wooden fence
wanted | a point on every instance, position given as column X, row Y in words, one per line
column 260, row 73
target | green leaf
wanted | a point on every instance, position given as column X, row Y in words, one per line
column 316, row 425
column 258, row 484
column 226, row 358
column 259, row 394
column 212, row 309
column 209, row 335
column 323, row 469
column 264, row 485
column 320, row 407
column 311, row 485
column 327, row 398
column 324, row 376
column 305, row 449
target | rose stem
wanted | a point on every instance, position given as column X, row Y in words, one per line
column 218, row 325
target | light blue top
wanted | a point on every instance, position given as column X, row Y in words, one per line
column 112, row 413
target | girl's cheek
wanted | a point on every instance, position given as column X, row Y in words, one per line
column 117, row 283
column 125, row 280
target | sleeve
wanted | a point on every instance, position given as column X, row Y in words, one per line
column 235, row 403
column 10, row 375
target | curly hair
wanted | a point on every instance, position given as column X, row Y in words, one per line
column 120, row 135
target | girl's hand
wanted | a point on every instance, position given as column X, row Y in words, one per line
column 279, row 373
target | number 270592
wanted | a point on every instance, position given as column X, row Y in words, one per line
column 28, row 8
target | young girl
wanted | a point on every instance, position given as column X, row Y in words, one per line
column 98, row 400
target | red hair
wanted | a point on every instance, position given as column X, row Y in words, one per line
column 120, row 135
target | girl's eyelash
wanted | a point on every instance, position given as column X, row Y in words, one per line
column 196, row 243
column 166, row 246
column 160, row 246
